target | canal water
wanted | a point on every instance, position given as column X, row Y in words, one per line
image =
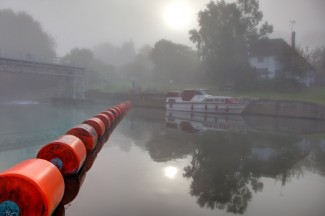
column 174, row 163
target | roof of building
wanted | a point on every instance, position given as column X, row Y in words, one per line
column 269, row 47
column 276, row 47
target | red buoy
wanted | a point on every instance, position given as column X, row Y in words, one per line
column 105, row 119
column 97, row 124
column 114, row 111
column 110, row 115
column 67, row 153
column 32, row 187
column 87, row 134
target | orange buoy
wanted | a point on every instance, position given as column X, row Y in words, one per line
column 67, row 153
column 87, row 134
column 97, row 124
column 110, row 115
column 72, row 186
column 114, row 111
column 121, row 108
column 105, row 119
column 32, row 187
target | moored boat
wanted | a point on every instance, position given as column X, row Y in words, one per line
column 198, row 100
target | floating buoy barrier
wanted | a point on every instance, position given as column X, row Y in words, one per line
column 110, row 115
column 32, row 187
column 97, row 124
column 105, row 119
column 115, row 113
column 72, row 186
column 87, row 134
column 37, row 187
column 67, row 153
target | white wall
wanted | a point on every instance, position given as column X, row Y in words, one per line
column 268, row 62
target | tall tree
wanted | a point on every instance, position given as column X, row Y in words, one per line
column 174, row 62
column 20, row 33
column 225, row 34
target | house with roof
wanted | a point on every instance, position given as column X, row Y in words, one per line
column 274, row 58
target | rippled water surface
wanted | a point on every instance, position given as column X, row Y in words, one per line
column 158, row 163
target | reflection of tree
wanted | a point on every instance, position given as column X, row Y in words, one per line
column 226, row 168
column 220, row 179
column 170, row 146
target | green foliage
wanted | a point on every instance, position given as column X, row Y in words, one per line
column 98, row 72
column 20, row 33
column 174, row 62
column 226, row 31
column 115, row 55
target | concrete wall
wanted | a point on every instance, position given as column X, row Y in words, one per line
column 295, row 109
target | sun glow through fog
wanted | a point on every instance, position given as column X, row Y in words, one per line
column 177, row 14
column 170, row 172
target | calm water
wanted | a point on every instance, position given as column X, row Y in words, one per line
column 158, row 163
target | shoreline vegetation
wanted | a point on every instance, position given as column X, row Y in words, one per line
column 314, row 95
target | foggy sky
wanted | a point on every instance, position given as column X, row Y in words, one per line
column 85, row 23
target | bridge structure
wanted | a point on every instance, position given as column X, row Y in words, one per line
column 71, row 79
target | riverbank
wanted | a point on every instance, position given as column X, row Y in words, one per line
column 266, row 107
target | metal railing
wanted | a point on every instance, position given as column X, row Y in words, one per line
column 33, row 57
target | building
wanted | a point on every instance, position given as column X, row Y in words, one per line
column 274, row 58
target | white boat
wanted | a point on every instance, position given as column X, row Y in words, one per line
column 198, row 100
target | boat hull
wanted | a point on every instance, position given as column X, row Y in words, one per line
column 234, row 108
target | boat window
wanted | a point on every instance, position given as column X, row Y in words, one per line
column 208, row 100
column 198, row 92
column 204, row 92
column 217, row 100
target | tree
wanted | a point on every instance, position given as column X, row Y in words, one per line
column 21, row 34
column 96, row 69
column 115, row 55
column 172, row 61
column 225, row 34
column 318, row 61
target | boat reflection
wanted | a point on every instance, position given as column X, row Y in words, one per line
column 191, row 122
column 201, row 122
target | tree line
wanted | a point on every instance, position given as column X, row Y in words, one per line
column 221, row 56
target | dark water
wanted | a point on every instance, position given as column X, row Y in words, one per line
column 158, row 163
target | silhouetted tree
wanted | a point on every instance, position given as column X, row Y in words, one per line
column 172, row 61
column 99, row 72
column 114, row 55
column 226, row 31
column 20, row 33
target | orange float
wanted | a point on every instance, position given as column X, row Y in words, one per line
column 110, row 115
column 32, row 187
column 67, row 153
column 97, row 124
column 114, row 111
column 87, row 134
column 105, row 119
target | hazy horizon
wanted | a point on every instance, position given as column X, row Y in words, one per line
column 85, row 24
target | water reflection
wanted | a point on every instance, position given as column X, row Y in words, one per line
column 230, row 155
column 183, row 164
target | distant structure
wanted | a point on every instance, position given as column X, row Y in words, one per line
column 273, row 57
